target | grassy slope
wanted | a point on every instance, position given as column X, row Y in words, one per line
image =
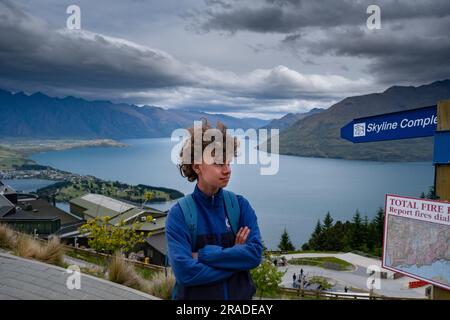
column 9, row 158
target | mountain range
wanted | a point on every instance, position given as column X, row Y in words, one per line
column 40, row 116
column 312, row 134
column 289, row 119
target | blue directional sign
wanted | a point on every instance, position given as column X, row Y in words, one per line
column 413, row 123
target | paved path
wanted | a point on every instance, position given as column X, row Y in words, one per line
column 26, row 279
column 357, row 278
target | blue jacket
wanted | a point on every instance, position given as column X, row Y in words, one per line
column 222, row 268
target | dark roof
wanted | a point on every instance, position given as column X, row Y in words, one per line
column 5, row 206
column 45, row 211
column 5, row 210
column 158, row 242
column 22, row 215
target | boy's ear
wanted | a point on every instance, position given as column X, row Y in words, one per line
column 196, row 168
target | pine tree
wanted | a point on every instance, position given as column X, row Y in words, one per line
column 357, row 238
column 327, row 233
column 317, row 230
column 432, row 194
column 328, row 221
column 378, row 222
column 316, row 242
column 285, row 242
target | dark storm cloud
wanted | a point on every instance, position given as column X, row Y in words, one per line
column 413, row 45
column 35, row 56
column 31, row 51
column 286, row 16
column 419, row 52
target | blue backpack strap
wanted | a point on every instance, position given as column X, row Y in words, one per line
column 189, row 209
column 233, row 210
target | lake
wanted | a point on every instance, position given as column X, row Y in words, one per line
column 302, row 191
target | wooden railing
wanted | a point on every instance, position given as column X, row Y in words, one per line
column 91, row 253
column 317, row 294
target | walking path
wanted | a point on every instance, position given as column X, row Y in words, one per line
column 356, row 279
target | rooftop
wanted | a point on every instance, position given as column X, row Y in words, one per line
column 39, row 210
column 6, row 206
column 107, row 202
column 24, row 279
column 158, row 241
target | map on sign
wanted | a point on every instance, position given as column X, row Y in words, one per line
column 417, row 239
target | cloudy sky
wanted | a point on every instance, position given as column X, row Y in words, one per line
column 261, row 58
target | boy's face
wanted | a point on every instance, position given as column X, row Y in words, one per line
column 214, row 175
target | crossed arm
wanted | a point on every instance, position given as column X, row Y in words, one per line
column 247, row 251
column 212, row 263
column 241, row 238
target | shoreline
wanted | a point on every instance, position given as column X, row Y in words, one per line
column 28, row 147
column 15, row 164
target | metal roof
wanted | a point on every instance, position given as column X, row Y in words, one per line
column 158, row 241
column 131, row 215
column 150, row 226
column 100, row 206
column 5, row 205
column 108, row 202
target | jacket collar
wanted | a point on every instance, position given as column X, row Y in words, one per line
column 207, row 198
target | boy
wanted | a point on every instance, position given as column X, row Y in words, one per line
column 216, row 264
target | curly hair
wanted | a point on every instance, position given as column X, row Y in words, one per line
column 189, row 157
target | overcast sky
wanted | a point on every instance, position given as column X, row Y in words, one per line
column 261, row 58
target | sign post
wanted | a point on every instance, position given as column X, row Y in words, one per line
column 442, row 174
column 407, row 124
column 421, row 122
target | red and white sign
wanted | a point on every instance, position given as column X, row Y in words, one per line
column 416, row 239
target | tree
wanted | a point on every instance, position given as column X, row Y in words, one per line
column 377, row 230
column 285, row 242
column 316, row 242
column 335, row 237
column 432, row 194
column 322, row 283
column 328, row 221
column 105, row 237
column 148, row 195
column 327, row 233
column 266, row 278
column 358, row 232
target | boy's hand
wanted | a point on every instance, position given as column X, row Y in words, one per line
column 195, row 255
column 242, row 235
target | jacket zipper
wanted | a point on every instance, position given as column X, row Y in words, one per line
column 225, row 283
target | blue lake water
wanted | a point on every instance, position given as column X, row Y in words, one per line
column 301, row 192
column 27, row 185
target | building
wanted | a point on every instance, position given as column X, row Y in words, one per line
column 151, row 221
column 29, row 214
